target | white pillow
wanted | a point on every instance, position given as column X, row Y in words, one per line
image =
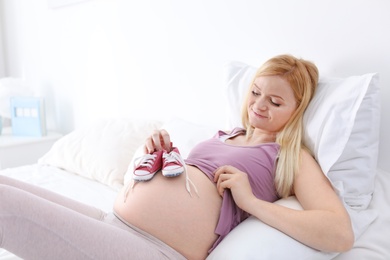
column 342, row 130
column 238, row 77
column 100, row 151
column 252, row 239
column 185, row 134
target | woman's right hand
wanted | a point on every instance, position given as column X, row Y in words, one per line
column 159, row 140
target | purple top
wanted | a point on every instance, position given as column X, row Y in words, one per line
column 257, row 161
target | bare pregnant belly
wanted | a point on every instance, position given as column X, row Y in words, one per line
column 163, row 208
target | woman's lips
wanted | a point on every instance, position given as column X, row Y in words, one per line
column 258, row 115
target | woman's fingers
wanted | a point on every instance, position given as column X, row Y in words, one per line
column 223, row 183
column 165, row 140
column 222, row 177
column 159, row 140
column 218, row 172
column 149, row 147
column 229, row 177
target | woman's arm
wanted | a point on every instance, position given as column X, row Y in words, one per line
column 324, row 224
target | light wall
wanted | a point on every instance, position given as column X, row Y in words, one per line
column 158, row 59
column 2, row 59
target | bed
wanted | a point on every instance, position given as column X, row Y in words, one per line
column 92, row 163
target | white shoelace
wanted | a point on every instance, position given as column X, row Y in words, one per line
column 172, row 157
column 147, row 160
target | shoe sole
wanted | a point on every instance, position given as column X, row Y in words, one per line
column 170, row 174
column 143, row 177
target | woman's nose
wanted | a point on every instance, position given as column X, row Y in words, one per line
column 261, row 104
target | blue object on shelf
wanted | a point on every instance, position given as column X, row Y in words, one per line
column 28, row 116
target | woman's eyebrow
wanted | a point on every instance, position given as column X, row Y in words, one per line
column 272, row 95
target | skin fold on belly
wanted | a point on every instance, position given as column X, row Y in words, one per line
column 163, row 208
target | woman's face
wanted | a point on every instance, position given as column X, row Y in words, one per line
column 271, row 103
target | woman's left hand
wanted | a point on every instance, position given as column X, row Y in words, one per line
column 229, row 177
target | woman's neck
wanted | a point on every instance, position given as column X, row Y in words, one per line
column 259, row 137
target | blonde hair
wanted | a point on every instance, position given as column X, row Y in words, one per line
column 302, row 76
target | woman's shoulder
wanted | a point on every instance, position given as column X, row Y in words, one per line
column 306, row 154
column 308, row 162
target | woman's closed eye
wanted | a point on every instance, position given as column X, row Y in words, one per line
column 255, row 93
column 274, row 103
column 271, row 100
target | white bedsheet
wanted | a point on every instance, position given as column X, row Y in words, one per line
column 66, row 183
column 374, row 244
